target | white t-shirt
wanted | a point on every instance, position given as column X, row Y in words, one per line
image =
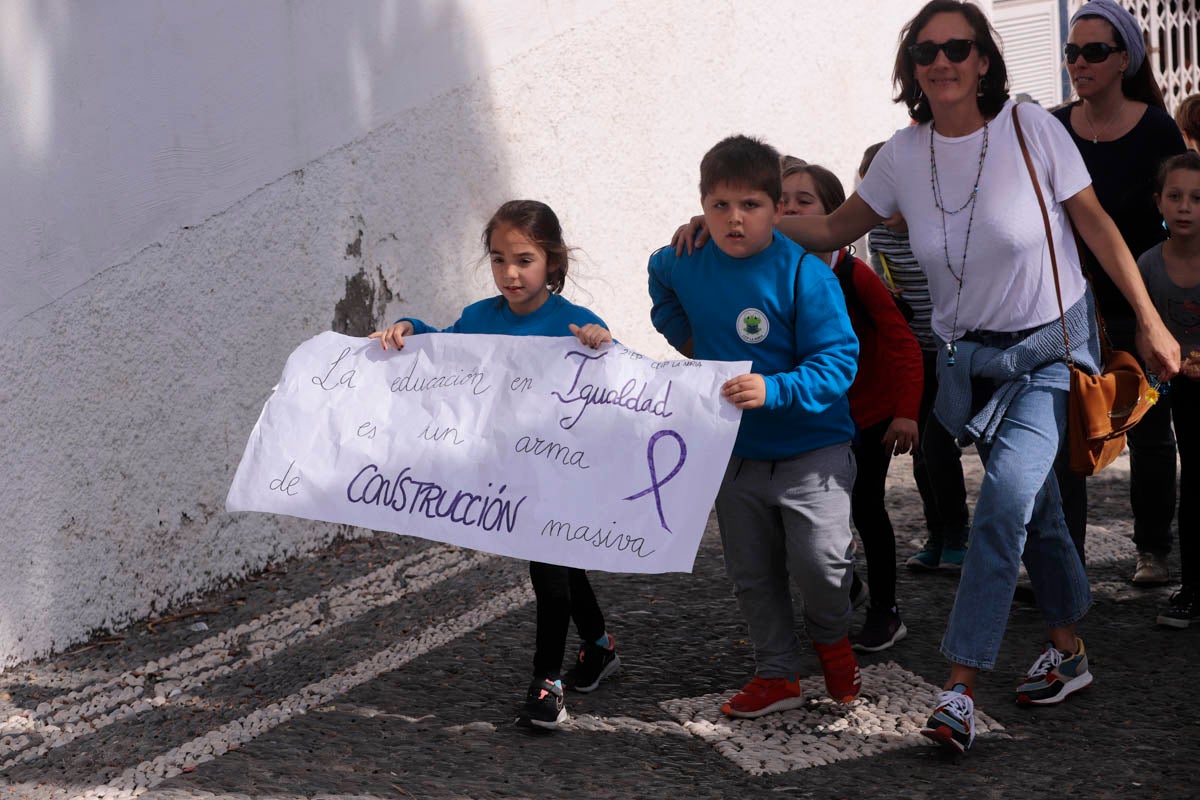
column 1008, row 284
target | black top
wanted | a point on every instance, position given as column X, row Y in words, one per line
column 1123, row 174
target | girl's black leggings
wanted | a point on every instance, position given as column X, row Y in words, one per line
column 870, row 515
column 563, row 594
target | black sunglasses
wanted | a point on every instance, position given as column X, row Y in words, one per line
column 925, row 53
column 1092, row 52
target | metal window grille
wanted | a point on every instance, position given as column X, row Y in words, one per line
column 1172, row 43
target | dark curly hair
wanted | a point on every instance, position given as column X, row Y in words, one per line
column 993, row 85
column 540, row 224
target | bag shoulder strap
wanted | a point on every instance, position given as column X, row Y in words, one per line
column 845, row 275
column 1037, row 188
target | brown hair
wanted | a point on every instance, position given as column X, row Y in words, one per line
column 742, row 161
column 1141, row 84
column 867, row 157
column 1189, row 161
column 540, row 224
column 830, row 191
column 1187, row 117
column 993, row 86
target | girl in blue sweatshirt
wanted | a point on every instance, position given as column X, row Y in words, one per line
column 529, row 259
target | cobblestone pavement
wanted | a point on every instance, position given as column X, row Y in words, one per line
column 392, row 668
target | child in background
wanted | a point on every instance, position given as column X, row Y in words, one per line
column 524, row 241
column 1171, row 271
column 884, row 399
column 937, row 460
column 1187, row 117
column 784, row 503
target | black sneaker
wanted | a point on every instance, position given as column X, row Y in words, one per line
column 1182, row 609
column 592, row 665
column 881, row 630
column 544, row 705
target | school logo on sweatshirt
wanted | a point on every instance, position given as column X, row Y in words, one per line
column 752, row 326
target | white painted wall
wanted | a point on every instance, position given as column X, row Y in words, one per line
column 191, row 189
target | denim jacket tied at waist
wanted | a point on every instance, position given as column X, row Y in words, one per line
column 1035, row 358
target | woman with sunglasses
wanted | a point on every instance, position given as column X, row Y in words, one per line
column 1123, row 131
column 959, row 179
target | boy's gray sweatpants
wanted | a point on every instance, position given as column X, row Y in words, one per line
column 789, row 518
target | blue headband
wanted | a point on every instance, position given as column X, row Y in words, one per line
column 1126, row 26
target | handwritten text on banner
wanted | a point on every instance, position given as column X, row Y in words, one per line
column 532, row 447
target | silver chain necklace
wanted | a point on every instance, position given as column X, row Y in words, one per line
column 1097, row 134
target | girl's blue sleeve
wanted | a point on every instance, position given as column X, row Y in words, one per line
column 422, row 327
column 826, row 347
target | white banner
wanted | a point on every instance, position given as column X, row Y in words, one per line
column 532, row 447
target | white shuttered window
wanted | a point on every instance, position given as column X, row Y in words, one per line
column 1032, row 48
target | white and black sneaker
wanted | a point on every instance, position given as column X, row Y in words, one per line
column 544, row 704
column 1182, row 609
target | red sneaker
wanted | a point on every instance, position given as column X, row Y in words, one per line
column 842, row 677
column 763, row 696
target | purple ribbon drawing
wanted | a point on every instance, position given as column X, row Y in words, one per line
column 655, row 483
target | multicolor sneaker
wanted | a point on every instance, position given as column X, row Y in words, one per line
column 859, row 593
column 544, row 704
column 763, row 696
column 1054, row 676
column 1182, row 609
column 952, row 723
column 593, row 664
column 881, row 630
column 843, row 680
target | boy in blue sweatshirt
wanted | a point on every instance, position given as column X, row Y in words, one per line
column 784, row 503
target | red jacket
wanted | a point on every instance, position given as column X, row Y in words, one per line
column 890, row 369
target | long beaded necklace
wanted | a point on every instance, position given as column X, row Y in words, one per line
column 936, row 186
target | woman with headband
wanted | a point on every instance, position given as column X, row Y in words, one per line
column 1123, row 131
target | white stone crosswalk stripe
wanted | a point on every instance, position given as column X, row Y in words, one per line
column 90, row 709
column 138, row 779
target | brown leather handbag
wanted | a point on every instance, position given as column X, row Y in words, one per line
column 1102, row 408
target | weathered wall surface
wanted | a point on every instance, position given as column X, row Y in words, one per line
column 190, row 192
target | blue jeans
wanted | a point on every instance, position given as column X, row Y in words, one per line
column 937, row 468
column 1018, row 516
